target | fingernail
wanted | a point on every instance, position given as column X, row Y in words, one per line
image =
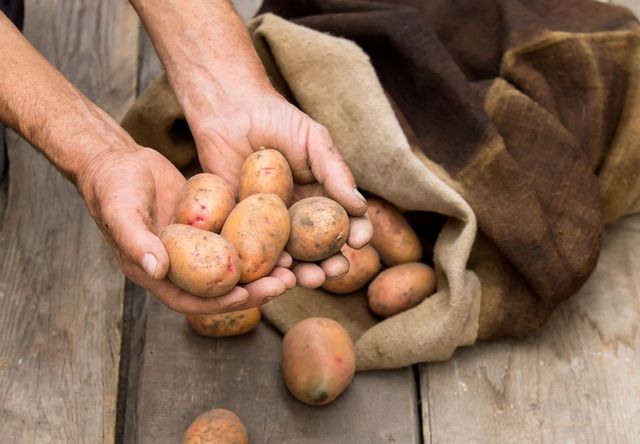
column 149, row 264
column 239, row 302
column 340, row 276
column 359, row 195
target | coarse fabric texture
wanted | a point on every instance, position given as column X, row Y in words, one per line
column 531, row 107
column 515, row 115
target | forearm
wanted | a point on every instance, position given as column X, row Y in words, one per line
column 38, row 102
column 205, row 48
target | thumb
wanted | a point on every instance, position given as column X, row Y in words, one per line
column 138, row 244
column 332, row 172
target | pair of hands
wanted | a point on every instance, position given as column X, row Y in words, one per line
column 132, row 194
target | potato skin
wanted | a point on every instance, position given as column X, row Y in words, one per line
column 225, row 324
column 319, row 228
column 266, row 171
column 393, row 237
column 202, row 263
column 318, row 360
column 216, row 426
column 400, row 287
column 364, row 265
column 258, row 227
column 205, row 202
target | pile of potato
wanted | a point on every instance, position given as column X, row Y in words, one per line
column 215, row 244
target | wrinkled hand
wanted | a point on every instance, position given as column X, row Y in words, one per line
column 131, row 195
column 228, row 134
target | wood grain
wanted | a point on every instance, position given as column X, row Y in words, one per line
column 60, row 288
column 4, row 190
column 185, row 374
column 575, row 382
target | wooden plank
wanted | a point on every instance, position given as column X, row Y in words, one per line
column 4, row 189
column 185, row 374
column 60, row 287
column 575, row 382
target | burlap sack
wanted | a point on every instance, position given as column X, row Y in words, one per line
column 531, row 106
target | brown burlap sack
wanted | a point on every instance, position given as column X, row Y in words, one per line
column 533, row 250
column 531, row 106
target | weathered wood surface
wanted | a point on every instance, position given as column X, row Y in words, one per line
column 185, row 374
column 60, row 288
column 577, row 381
column 4, row 189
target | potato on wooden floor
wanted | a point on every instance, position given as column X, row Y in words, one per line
column 205, row 202
column 266, row 171
column 225, row 324
column 259, row 228
column 216, row 426
column 319, row 228
column 201, row 262
column 393, row 237
column 401, row 287
column 364, row 265
column 318, row 360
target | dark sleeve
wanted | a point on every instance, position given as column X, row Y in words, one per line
column 14, row 9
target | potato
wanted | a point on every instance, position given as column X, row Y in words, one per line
column 259, row 228
column 226, row 324
column 205, row 202
column 364, row 264
column 216, row 426
column 266, row 171
column 319, row 228
column 401, row 287
column 393, row 237
column 318, row 360
column 202, row 263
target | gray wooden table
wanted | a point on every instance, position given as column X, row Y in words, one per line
column 86, row 357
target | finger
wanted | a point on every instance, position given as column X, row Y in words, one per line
column 179, row 300
column 285, row 260
column 309, row 275
column 335, row 266
column 128, row 227
column 285, row 275
column 264, row 289
column 360, row 232
column 332, row 172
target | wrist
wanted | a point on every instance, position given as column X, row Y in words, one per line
column 82, row 141
column 204, row 92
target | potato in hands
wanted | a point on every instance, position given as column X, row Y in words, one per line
column 266, row 171
column 202, row 263
column 258, row 228
column 205, row 202
column 319, row 228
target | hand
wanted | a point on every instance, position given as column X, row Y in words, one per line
column 241, row 124
column 131, row 195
